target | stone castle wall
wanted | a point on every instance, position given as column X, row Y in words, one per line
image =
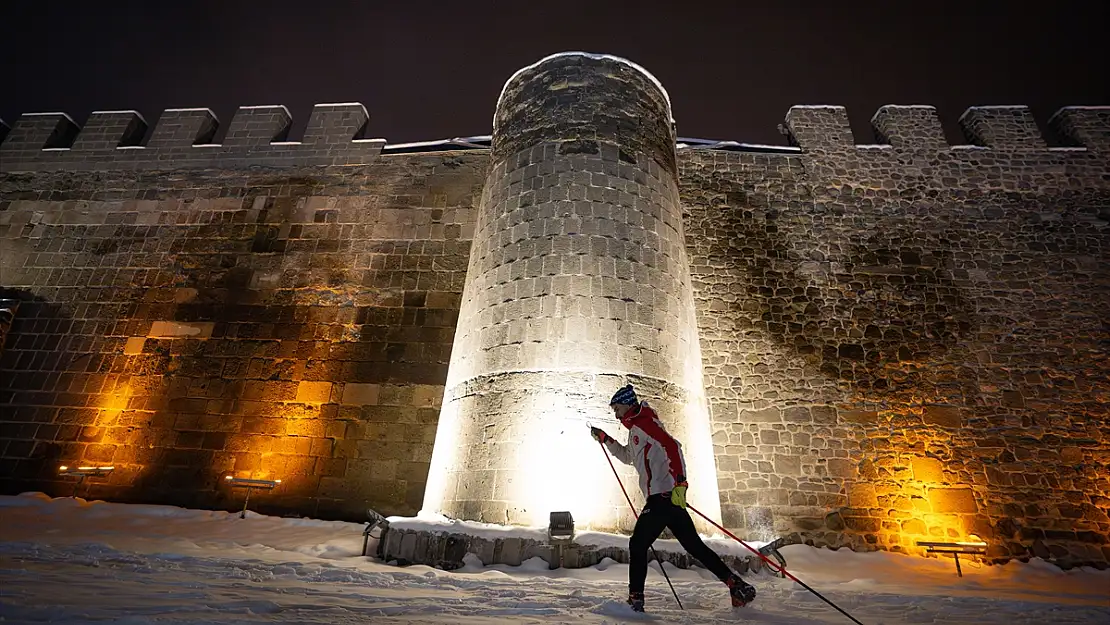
column 907, row 342
column 899, row 341
column 292, row 324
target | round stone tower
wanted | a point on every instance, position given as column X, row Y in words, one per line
column 578, row 283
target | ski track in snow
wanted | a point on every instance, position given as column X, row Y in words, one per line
column 70, row 561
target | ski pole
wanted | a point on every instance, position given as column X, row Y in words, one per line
column 773, row 565
column 629, row 500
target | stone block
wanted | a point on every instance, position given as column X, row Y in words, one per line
column 928, row 470
column 952, row 500
column 862, row 417
column 181, row 329
column 512, row 551
column 787, row 464
column 797, row 414
column 134, row 345
column 841, row 467
column 314, row 392
column 823, row 414
column 914, row 526
column 407, row 548
column 862, row 495
column 943, row 415
column 360, row 394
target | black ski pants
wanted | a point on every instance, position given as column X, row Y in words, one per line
column 660, row 513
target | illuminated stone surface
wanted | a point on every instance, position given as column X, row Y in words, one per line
column 578, row 281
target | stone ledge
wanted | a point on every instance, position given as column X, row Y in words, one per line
column 445, row 550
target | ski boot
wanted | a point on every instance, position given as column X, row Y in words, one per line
column 742, row 593
column 636, row 601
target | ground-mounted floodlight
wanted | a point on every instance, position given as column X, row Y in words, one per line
column 955, row 548
column 771, row 550
column 560, row 526
column 560, row 533
column 374, row 520
column 81, row 473
column 250, row 484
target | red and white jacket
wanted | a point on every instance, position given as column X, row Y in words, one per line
column 656, row 455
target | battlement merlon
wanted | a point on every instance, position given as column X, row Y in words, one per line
column 1010, row 128
column 182, row 138
column 825, row 129
column 1084, row 125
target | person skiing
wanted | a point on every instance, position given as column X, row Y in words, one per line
column 658, row 459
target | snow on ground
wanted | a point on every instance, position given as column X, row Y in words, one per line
column 72, row 561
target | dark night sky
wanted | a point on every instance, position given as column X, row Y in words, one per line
column 429, row 70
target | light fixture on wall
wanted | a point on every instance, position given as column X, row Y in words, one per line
column 249, row 484
column 955, row 548
column 83, row 472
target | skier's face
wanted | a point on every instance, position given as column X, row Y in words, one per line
column 621, row 411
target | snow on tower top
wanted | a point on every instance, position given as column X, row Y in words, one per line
column 590, row 55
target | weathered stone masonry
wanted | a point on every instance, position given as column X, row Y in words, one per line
column 578, row 280
column 898, row 341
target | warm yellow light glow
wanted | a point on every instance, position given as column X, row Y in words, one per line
column 934, row 505
column 63, row 468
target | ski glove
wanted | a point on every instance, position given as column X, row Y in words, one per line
column 599, row 434
column 678, row 495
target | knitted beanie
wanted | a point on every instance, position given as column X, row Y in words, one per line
column 625, row 396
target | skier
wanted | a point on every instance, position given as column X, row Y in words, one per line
column 657, row 457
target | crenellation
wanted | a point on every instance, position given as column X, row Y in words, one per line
column 34, row 132
column 819, row 129
column 182, row 139
column 334, row 124
column 177, row 128
column 909, row 127
column 1087, row 126
column 1009, row 128
column 108, row 130
column 258, row 126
